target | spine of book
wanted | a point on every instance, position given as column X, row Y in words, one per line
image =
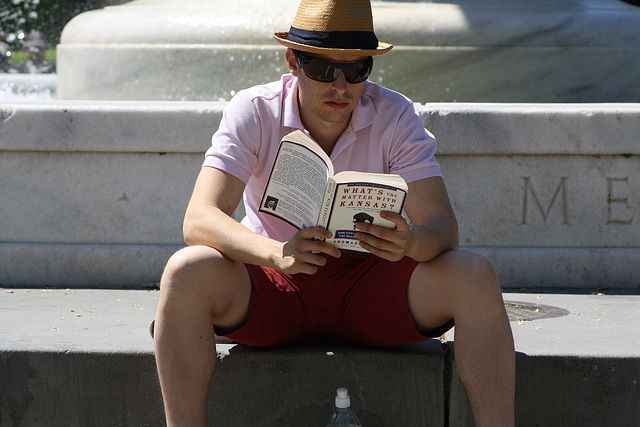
column 327, row 203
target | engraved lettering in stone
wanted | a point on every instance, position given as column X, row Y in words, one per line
column 531, row 202
column 619, row 210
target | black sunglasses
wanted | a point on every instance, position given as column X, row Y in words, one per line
column 325, row 71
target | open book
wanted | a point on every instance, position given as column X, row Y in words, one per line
column 303, row 191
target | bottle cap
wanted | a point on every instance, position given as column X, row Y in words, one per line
column 342, row 398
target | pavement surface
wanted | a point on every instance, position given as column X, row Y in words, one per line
column 86, row 320
column 77, row 320
column 578, row 357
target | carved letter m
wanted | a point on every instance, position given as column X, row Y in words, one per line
column 530, row 194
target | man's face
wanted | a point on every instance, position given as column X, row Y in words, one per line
column 331, row 103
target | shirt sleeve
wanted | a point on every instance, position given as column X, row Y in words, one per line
column 413, row 154
column 235, row 145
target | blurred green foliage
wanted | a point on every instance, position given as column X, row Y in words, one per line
column 19, row 17
column 22, row 56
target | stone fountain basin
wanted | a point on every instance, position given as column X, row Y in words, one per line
column 465, row 51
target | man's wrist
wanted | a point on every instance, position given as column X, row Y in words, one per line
column 275, row 255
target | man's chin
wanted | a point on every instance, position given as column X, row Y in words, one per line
column 335, row 116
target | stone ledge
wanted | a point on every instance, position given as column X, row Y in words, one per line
column 186, row 127
column 84, row 357
column 88, row 183
column 109, row 126
column 388, row 388
column 141, row 265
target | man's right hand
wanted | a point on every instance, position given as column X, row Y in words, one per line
column 303, row 254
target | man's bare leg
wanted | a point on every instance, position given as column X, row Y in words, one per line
column 463, row 286
column 199, row 288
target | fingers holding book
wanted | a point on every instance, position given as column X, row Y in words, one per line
column 388, row 243
column 303, row 254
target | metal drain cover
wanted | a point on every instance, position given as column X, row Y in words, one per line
column 527, row 312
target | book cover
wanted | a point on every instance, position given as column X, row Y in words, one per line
column 303, row 191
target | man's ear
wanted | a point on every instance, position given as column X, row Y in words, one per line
column 291, row 62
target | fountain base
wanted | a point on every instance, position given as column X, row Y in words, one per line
column 465, row 51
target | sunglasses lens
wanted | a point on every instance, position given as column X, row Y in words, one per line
column 321, row 71
column 359, row 71
column 327, row 71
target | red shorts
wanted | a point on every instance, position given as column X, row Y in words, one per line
column 354, row 300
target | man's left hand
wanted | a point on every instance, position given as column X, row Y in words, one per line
column 387, row 243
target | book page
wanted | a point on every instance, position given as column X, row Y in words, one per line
column 362, row 202
column 296, row 186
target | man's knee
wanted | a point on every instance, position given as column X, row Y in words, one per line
column 202, row 275
column 464, row 270
column 191, row 258
column 479, row 281
column 463, row 262
column 477, row 265
column 195, row 266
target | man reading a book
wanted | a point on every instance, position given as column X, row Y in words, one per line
column 262, row 282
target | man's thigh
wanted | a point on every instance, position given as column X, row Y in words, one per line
column 445, row 284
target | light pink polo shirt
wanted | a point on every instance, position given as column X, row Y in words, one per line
column 385, row 135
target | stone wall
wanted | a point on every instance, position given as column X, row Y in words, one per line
column 93, row 193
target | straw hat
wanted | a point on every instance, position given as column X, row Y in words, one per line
column 333, row 27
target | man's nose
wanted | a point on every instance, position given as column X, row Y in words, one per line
column 340, row 84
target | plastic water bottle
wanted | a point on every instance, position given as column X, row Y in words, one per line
column 343, row 416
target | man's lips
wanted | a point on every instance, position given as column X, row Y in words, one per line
column 338, row 105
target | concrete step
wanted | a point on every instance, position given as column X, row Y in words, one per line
column 80, row 357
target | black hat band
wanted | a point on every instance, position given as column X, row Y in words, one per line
column 334, row 39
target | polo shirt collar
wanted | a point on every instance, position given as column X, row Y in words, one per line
column 291, row 112
column 365, row 112
column 363, row 115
